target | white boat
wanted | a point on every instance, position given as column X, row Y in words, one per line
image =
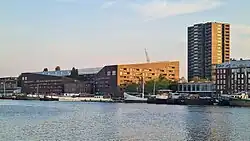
column 133, row 99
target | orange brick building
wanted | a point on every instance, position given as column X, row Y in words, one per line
column 111, row 79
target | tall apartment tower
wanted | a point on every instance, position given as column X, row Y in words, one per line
column 208, row 45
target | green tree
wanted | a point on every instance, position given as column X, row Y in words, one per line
column 57, row 68
column 198, row 79
column 74, row 73
column 161, row 77
column 173, row 86
column 160, row 83
column 45, row 70
column 133, row 87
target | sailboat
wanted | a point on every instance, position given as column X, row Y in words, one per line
column 135, row 99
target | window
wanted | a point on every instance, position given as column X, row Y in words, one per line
column 113, row 72
column 108, row 73
column 120, row 73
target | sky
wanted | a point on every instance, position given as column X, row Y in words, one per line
column 35, row 34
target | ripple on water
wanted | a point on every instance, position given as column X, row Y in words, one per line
column 26, row 121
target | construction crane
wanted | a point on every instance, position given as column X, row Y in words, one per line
column 147, row 57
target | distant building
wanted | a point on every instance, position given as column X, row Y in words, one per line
column 8, row 85
column 208, row 45
column 201, row 88
column 113, row 79
column 108, row 80
column 58, row 82
column 233, row 77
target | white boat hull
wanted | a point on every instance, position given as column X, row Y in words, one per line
column 134, row 99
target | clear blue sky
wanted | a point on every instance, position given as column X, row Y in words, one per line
column 87, row 33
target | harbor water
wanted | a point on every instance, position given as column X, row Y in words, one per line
column 80, row 121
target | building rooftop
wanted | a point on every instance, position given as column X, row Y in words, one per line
column 145, row 63
column 89, row 70
column 234, row 64
column 195, row 83
column 68, row 72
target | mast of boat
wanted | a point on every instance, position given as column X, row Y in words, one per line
column 154, row 87
column 143, row 85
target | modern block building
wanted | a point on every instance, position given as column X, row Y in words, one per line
column 233, row 77
column 208, row 45
column 113, row 79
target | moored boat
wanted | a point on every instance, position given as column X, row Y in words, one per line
column 241, row 100
column 134, row 99
column 163, row 97
column 195, row 99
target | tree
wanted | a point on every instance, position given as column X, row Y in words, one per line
column 198, row 79
column 74, row 73
column 182, row 80
column 160, row 83
column 161, row 77
column 57, row 68
column 133, row 87
column 195, row 79
column 45, row 70
column 173, row 86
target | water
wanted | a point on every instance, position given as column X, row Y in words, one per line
column 73, row 121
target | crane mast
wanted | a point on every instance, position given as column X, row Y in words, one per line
column 147, row 57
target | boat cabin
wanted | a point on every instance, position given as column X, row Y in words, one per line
column 240, row 96
column 164, row 93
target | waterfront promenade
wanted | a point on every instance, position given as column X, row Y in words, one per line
column 39, row 120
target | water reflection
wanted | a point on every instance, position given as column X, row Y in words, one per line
column 198, row 123
column 113, row 121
